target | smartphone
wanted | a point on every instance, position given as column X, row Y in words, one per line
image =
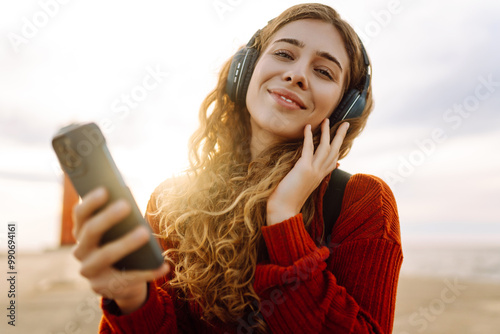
column 84, row 156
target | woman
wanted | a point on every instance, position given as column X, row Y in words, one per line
column 242, row 230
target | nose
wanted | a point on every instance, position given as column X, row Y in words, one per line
column 296, row 75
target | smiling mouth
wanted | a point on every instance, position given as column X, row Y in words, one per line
column 287, row 99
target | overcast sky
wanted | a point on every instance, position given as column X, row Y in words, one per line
column 433, row 136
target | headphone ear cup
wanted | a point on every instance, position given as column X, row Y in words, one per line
column 240, row 73
column 345, row 104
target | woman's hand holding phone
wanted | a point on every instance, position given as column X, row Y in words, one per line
column 127, row 288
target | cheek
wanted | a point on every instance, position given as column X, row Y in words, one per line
column 327, row 101
column 253, row 88
column 260, row 76
column 251, row 97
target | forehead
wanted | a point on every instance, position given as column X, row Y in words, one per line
column 317, row 36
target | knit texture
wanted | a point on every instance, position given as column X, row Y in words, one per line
column 344, row 285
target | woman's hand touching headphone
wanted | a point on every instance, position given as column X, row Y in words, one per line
column 292, row 192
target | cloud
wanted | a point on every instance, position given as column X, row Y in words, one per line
column 431, row 57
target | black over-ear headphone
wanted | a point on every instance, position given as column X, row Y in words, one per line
column 352, row 104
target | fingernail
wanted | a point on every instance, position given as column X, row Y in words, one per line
column 347, row 126
column 121, row 205
column 100, row 192
column 140, row 233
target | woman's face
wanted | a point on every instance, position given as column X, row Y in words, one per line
column 298, row 79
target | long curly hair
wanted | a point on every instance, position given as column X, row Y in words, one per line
column 211, row 218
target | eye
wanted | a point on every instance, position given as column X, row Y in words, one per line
column 283, row 54
column 325, row 73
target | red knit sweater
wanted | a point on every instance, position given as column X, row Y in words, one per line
column 347, row 287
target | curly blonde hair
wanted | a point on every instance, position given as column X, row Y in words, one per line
column 212, row 217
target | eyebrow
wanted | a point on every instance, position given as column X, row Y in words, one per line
column 300, row 44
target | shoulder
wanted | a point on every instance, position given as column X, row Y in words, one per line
column 367, row 188
column 369, row 208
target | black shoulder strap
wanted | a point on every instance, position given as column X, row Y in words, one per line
column 332, row 200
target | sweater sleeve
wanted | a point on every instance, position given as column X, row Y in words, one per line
column 299, row 290
column 157, row 315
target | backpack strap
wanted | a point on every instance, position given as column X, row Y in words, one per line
column 332, row 200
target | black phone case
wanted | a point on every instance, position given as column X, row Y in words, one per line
column 85, row 158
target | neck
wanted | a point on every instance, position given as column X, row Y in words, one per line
column 260, row 140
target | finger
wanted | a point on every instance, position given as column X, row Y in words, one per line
column 110, row 284
column 339, row 137
column 308, row 149
column 114, row 251
column 325, row 133
column 135, row 276
column 324, row 145
column 148, row 275
column 90, row 203
column 93, row 230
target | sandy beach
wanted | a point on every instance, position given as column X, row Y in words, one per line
column 447, row 305
column 53, row 299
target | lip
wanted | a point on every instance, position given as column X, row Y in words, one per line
column 278, row 93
